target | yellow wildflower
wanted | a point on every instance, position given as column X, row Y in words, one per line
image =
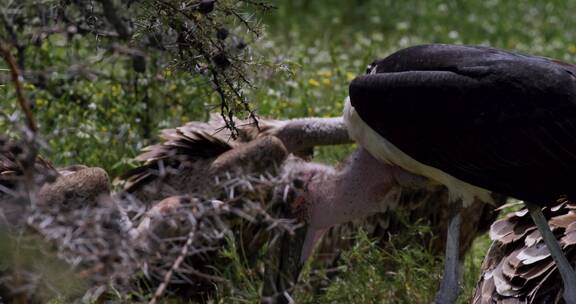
column 350, row 76
column 313, row 82
column 115, row 89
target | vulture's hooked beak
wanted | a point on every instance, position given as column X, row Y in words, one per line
column 291, row 251
column 285, row 269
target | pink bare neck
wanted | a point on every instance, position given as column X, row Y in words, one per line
column 363, row 186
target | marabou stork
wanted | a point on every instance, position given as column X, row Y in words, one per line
column 518, row 269
column 478, row 120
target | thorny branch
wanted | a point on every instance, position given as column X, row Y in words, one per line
column 223, row 58
column 203, row 38
column 168, row 277
column 106, row 241
column 96, row 241
column 16, row 80
column 110, row 12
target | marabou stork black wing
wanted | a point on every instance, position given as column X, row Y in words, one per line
column 502, row 121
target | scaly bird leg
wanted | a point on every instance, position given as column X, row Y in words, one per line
column 566, row 271
column 450, row 286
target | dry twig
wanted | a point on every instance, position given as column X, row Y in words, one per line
column 16, row 80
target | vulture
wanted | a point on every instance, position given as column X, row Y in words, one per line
column 518, row 269
column 320, row 196
column 478, row 120
column 36, row 196
column 69, row 187
column 202, row 160
column 183, row 161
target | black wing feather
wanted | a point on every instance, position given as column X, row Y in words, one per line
column 499, row 120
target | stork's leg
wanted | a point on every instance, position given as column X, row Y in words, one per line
column 450, row 286
column 566, row 271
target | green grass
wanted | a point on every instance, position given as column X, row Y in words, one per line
column 327, row 42
column 401, row 271
column 323, row 44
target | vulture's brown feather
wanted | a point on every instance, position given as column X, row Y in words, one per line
column 12, row 184
column 12, row 171
column 77, row 189
column 184, row 157
column 518, row 267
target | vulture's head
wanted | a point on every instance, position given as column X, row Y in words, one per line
column 320, row 197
